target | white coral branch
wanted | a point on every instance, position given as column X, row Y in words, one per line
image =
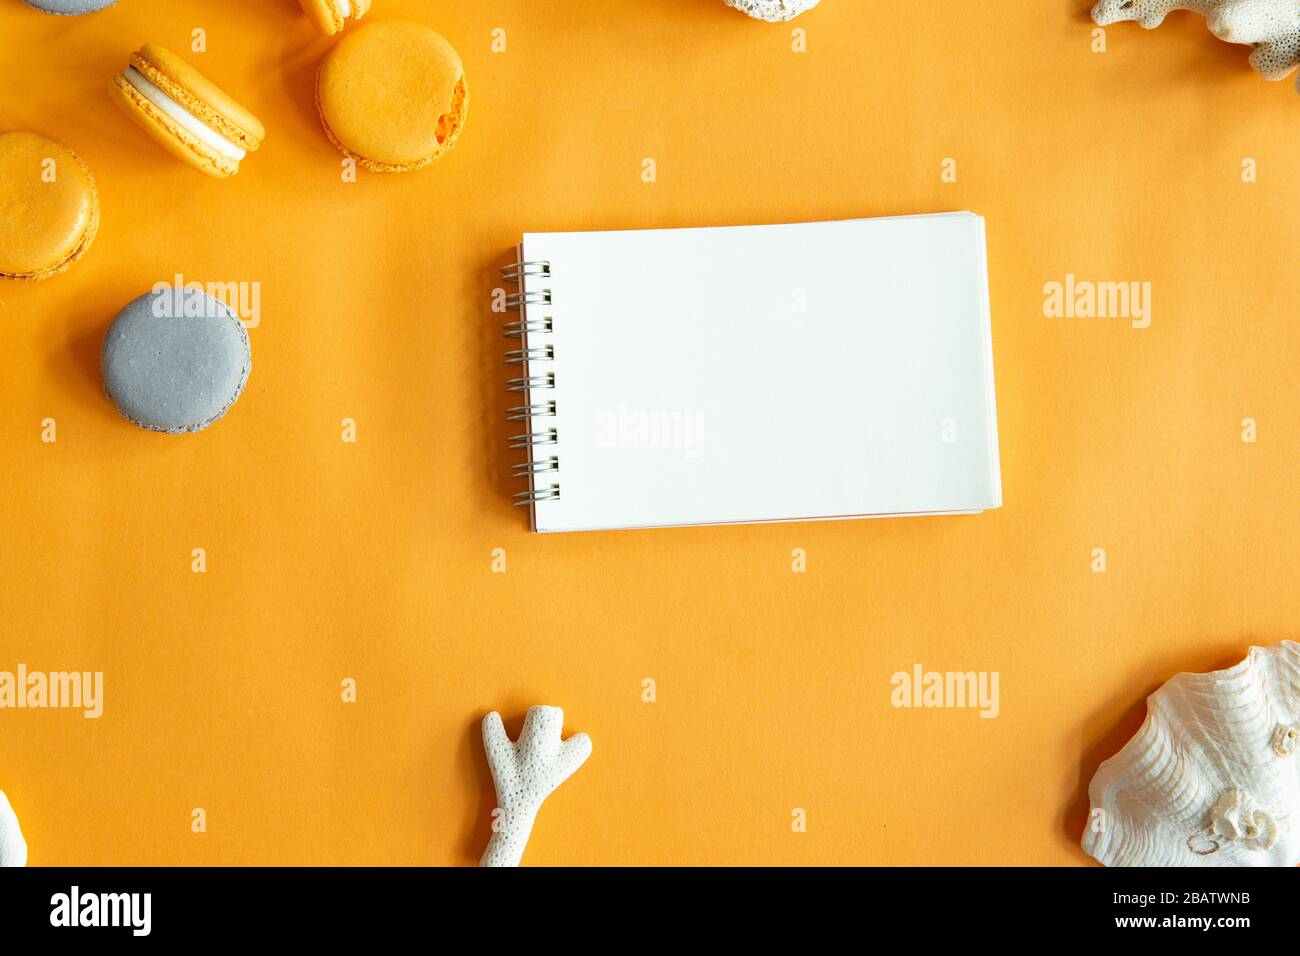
column 525, row 773
column 1149, row 13
column 13, row 848
column 774, row 11
column 1271, row 27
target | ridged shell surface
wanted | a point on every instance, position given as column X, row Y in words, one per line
column 1212, row 778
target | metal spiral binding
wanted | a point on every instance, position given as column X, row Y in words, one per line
column 527, row 329
column 524, row 356
column 517, row 300
column 522, row 413
column 521, row 270
column 517, row 330
column 527, row 382
column 538, row 494
column 533, row 439
column 539, row 467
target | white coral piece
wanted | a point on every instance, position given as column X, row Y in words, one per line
column 1149, row 13
column 525, row 773
column 13, row 848
column 1271, row 27
column 773, row 11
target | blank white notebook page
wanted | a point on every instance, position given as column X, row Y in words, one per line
column 765, row 373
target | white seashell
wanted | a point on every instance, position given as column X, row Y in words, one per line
column 1272, row 27
column 773, row 10
column 13, row 848
column 525, row 773
column 1207, row 780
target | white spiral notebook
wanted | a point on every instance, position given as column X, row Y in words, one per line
column 754, row 373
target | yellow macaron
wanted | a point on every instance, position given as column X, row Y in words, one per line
column 193, row 118
column 49, row 207
column 392, row 95
column 330, row 16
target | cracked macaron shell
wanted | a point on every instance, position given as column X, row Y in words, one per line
column 392, row 95
column 49, row 207
column 196, row 94
column 175, row 361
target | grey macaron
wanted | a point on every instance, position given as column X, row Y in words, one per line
column 175, row 360
column 70, row 8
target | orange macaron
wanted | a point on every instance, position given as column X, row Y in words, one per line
column 189, row 115
column 330, row 16
column 392, row 95
column 49, row 207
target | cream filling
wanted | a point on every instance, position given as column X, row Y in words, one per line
column 344, row 7
column 183, row 117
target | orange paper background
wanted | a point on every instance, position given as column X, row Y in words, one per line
column 372, row 560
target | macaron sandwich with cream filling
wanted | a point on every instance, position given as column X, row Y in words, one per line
column 188, row 114
column 330, row 16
